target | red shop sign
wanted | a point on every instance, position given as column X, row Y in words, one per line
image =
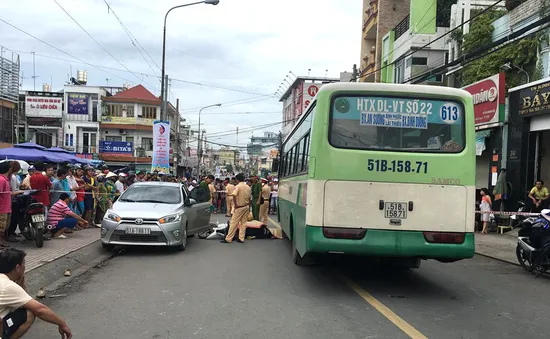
column 487, row 95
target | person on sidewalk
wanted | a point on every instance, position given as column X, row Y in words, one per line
column 17, row 308
column 539, row 196
column 5, row 202
column 241, row 202
column 90, row 189
column 485, row 207
column 62, row 218
column 15, row 215
column 264, row 201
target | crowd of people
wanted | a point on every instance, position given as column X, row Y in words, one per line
column 78, row 197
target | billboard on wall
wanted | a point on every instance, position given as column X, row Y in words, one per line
column 77, row 103
column 535, row 100
column 116, row 148
column 487, row 95
column 310, row 90
column 43, row 106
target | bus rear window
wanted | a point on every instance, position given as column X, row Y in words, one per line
column 397, row 124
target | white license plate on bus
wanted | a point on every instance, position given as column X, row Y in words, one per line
column 395, row 210
column 37, row 218
column 131, row 230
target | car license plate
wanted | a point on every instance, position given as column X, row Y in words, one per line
column 395, row 210
column 37, row 218
column 135, row 230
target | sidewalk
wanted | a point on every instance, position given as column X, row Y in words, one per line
column 498, row 246
column 56, row 248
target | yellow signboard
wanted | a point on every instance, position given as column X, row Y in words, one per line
column 126, row 121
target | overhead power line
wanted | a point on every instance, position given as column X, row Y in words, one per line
column 133, row 39
column 489, row 48
column 97, row 42
column 431, row 42
column 60, row 50
column 100, row 67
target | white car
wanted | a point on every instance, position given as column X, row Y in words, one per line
column 156, row 214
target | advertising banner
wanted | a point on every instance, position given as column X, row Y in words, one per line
column 78, row 103
column 535, row 100
column 116, row 148
column 161, row 146
column 487, row 95
column 310, row 90
column 126, row 121
column 43, row 107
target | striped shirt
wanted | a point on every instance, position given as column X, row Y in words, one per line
column 58, row 212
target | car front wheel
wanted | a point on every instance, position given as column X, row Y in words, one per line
column 183, row 244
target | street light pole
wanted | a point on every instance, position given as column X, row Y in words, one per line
column 162, row 89
column 199, row 138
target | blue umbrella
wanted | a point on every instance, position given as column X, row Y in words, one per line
column 67, row 155
column 28, row 153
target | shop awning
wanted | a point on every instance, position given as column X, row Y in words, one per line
column 480, row 140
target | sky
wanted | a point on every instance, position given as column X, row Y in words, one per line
column 236, row 53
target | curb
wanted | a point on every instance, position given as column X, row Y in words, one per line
column 61, row 282
column 50, row 275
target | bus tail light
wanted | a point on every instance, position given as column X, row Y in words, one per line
column 344, row 233
column 444, row 237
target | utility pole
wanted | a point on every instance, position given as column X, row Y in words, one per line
column 163, row 112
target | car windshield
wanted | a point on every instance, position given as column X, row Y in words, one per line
column 152, row 194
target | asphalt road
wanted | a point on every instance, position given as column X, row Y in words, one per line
column 253, row 290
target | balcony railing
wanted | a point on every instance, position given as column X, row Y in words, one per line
column 371, row 13
column 402, row 27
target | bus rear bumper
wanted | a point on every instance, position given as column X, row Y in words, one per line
column 388, row 243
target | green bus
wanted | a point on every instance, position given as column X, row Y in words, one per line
column 381, row 170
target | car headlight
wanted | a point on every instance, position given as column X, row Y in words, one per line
column 170, row 218
column 112, row 217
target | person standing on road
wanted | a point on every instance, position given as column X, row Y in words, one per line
column 17, row 308
column 241, row 201
column 90, row 188
column 229, row 189
column 256, row 194
column 485, row 207
column 264, row 201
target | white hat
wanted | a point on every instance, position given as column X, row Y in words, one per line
column 122, row 174
column 110, row 175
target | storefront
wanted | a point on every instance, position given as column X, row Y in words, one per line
column 529, row 136
column 489, row 108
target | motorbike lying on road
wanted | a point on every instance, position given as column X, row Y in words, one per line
column 533, row 248
column 31, row 217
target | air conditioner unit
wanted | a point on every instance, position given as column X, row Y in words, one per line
column 122, row 132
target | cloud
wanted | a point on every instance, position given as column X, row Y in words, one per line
column 238, row 44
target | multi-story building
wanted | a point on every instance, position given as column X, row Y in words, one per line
column 9, row 89
column 81, row 116
column 127, row 118
column 265, row 162
column 257, row 145
column 296, row 99
column 225, row 156
column 379, row 18
column 40, row 118
column 403, row 54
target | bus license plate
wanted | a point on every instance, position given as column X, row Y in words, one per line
column 37, row 218
column 138, row 231
column 395, row 210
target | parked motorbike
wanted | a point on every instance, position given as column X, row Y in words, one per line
column 32, row 218
column 523, row 208
column 533, row 248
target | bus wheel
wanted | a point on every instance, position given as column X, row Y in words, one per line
column 306, row 260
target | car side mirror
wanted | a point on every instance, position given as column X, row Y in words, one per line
column 190, row 202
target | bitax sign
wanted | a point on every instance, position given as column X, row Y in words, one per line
column 488, row 94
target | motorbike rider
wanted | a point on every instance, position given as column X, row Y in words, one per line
column 17, row 308
column 539, row 196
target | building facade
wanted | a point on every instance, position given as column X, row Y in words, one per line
column 297, row 98
column 379, row 17
column 9, row 96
